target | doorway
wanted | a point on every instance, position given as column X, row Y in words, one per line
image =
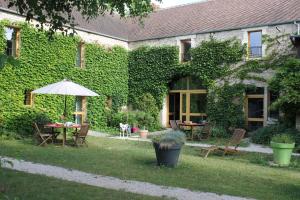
column 186, row 101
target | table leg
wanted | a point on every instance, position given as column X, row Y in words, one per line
column 64, row 136
column 192, row 133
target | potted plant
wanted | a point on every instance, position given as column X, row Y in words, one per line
column 167, row 147
column 144, row 119
column 282, row 146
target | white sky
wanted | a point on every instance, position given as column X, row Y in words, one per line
column 168, row 3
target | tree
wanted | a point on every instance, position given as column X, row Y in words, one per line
column 287, row 82
column 59, row 13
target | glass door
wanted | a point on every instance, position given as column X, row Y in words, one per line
column 193, row 106
column 254, row 110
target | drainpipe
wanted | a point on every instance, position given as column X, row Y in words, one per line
column 298, row 27
column 296, row 44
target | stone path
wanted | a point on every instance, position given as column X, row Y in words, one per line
column 107, row 182
column 251, row 148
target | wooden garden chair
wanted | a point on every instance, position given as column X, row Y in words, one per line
column 235, row 141
column 205, row 132
column 80, row 136
column 173, row 124
column 43, row 138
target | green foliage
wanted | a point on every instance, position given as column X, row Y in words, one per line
column 263, row 135
column 212, row 58
column 219, row 132
column 225, row 106
column 283, row 138
column 169, row 139
column 133, row 118
column 287, row 82
column 42, row 62
column 150, row 71
column 147, row 103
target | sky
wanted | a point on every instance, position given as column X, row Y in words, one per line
column 168, row 3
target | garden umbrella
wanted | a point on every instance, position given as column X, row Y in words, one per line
column 66, row 88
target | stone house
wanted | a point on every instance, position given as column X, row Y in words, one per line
column 186, row 26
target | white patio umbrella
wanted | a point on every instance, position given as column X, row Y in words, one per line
column 66, row 88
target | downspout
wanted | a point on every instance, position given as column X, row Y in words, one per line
column 298, row 56
column 298, row 27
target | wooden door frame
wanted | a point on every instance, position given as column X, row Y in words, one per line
column 188, row 104
column 253, row 96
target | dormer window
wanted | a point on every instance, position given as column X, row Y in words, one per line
column 12, row 36
column 255, row 44
column 185, row 47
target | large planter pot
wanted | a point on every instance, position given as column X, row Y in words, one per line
column 167, row 156
column 143, row 134
column 282, row 153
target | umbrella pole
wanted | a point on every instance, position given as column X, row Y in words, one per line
column 65, row 111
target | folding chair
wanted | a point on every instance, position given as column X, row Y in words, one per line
column 43, row 138
column 235, row 141
column 79, row 137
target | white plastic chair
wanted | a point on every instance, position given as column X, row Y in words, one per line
column 123, row 129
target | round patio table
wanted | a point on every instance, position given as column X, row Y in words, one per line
column 61, row 125
column 192, row 125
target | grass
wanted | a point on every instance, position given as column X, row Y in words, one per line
column 19, row 185
column 247, row 174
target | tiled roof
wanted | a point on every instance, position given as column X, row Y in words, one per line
column 216, row 15
column 209, row 16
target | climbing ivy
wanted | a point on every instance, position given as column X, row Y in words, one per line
column 150, row 71
column 225, row 105
column 43, row 61
column 212, row 59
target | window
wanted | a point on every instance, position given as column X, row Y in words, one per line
column 108, row 103
column 186, row 46
column 12, row 41
column 80, row 55
column 28, row 98
column 255, row 44
column 80, row 109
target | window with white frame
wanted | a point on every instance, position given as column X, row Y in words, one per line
column 255, row 44
column 12, row 41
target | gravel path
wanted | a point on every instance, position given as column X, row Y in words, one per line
column 112, row 183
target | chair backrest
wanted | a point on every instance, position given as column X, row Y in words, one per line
column 206, row 131
column 84, row 129
column 124, row 127
column 37, row 129
column 178, row 122
column 173, row 125
column 237, row 136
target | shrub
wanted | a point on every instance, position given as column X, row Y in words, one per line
column 219, row 131
column 142, row 119
column 147, row 103
column 263, row 135
column 283, row 138
column 169, row 139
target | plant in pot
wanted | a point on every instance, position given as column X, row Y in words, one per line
column 167, row 147
column 282, row 146
column 144, row 120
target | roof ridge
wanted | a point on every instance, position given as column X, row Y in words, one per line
column 185, row 4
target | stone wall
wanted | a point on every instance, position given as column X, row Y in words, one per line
column 241, row 34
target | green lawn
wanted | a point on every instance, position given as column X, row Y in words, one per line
column 245, row 175
column 19, row 185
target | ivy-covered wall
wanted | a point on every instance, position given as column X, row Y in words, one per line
column 43, row 61
column 151, row 69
